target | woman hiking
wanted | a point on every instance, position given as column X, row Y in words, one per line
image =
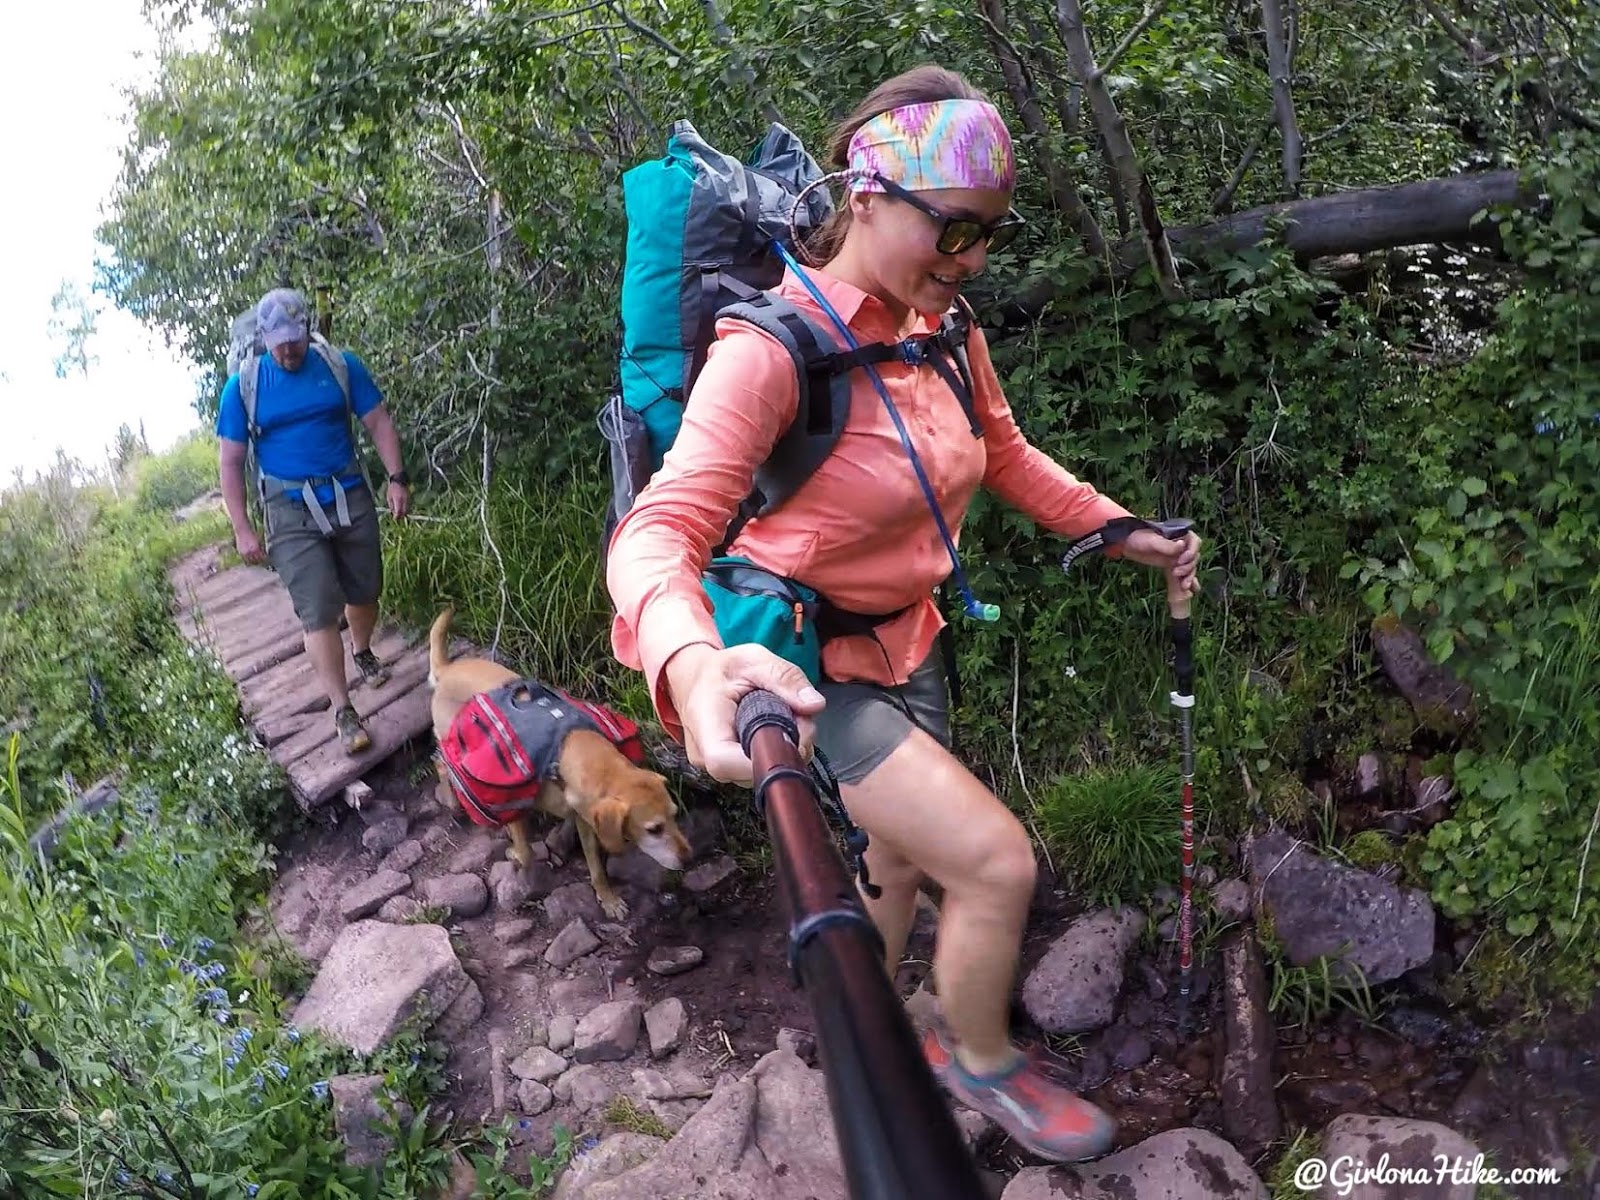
column 929, row 169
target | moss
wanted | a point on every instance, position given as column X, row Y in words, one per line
column 1371, row 849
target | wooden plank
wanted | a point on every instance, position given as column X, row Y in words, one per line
column 409, row 675
column 233, row 586
column 272, row 610
column 248, row 666
column 245, row 644
column 287, row 686
column 320, row 775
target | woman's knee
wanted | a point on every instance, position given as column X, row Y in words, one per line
column 1002, row 863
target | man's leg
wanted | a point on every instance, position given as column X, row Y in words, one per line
column 362, row 618
column 360, row 563
column 325, row 649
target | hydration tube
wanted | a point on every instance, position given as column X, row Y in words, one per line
column 974, row 608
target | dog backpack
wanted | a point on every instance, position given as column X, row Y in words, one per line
column 505, row 744
column 700, row 246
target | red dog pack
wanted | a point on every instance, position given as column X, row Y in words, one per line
column 505, row 744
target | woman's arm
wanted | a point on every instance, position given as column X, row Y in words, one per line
column 1019, row 472
column 745, row 396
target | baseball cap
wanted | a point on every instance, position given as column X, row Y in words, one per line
column 282, row 316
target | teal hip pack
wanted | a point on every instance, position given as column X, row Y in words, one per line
column 754, row 605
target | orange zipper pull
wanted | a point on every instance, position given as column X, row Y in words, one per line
column 799, row 621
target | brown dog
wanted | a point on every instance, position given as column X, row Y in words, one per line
column 613, row 803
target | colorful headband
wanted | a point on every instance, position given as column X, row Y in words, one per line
column 945, row 144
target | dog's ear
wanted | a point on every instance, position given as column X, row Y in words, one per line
column 608, row 818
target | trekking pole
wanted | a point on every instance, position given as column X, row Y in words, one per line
column 1182, row 699
column 897, row 1137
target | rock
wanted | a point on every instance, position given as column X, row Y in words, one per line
column 385, row 835
column 522, row 956
column 1179, row 1164
column 1250, row 1117
column 1431, row 801
column 665, row 1024
column 513, row 886
column 562, row 841
column 1369, row 776
column 476, row 855
column 1232, row 900
column 462, row 1014
column 681, row 1085
column 1074, row 987
column 702, row 827
column 364, row 898
column 585, row 1088
column 637, row 868
column 436, row 838
column 533, row 1097
column 463, row 895
column 358, row 794
column 674, row 960
column 798, row 1043
column 376, row 976
column 767, row 1136
column 563, row 1028
column 618, row 1153
column 399, row 910
column 1439, row 699
column 403, row 857
column 567, row 903
column 1325, row 908
column 514, row 930
column 922, row 1006
column 708, row 875
column 1406, row 1144
column 538, row 1063
column 571, row 944
column 1133, row 1049
column 608, row 1032
column 359, row 1119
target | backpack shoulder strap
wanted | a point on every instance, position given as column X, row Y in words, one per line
column 249, row 379
column 954, row 329
column 334, row 357
column 824, row 398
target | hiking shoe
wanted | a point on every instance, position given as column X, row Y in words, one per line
column 352, row 734
column 1050, row 1120
column 373, row 672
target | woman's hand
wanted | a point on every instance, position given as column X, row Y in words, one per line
column 1180, row 560
column 707, row 684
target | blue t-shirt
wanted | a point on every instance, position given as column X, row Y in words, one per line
column 301, row 416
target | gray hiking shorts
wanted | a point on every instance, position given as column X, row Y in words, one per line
column 324, row 573
column 864, row 722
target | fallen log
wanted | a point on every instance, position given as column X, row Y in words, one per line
column 1379, row 218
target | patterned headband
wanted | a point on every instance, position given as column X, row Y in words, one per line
column 945, row 144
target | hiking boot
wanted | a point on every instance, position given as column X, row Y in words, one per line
column 1050, row 1120
column 352, row 734
column 373, row 672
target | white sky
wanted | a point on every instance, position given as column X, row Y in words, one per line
column 62, row 65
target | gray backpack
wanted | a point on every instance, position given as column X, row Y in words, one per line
column 245, row 351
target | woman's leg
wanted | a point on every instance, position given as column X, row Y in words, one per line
column 895, row 911
column 929, row 812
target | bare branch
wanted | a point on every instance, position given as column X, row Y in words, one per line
column 1132, row 36
column 1119, row 146
column 1474, row 48
column 1281, row 69
column 1224, row 199
column 1024, row 95
column 647, row 33
column 1063, row 92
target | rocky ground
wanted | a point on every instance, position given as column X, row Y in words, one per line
column 681, row 1020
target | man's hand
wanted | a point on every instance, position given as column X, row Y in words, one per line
column 248, row 542
column 399, row 500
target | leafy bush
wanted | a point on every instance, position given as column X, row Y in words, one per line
column 187, row 472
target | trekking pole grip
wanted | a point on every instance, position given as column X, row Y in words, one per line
column 759, row 709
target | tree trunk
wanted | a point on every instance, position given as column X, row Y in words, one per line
column 1379, row 218
column 1281, row 68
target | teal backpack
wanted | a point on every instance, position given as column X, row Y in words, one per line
column 703, row 234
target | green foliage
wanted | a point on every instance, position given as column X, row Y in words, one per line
column 1114, row 830
column 169, row 481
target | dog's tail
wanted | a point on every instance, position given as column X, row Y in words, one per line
column 438, row 645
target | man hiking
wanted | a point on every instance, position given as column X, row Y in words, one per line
column 292, row 406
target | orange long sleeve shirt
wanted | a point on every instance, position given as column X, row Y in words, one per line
column 859, row 530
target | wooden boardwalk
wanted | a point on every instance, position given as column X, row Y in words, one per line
column 243, row 615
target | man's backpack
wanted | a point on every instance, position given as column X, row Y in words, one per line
column 505, row 745
column 245, row 352
column 701, row 232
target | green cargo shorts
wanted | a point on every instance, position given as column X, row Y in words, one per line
column 325, row 573
column 864, row 722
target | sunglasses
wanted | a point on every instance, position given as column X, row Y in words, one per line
column 959, row 234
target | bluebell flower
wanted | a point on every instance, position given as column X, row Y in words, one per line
column 166, row 942
column 189, row 968
column 277, row 1068
column 319, row 1089
column 257, row 1082
column 165, row 1177
column 291, row 1033
column 138, row 957
column 203, row 944
column 231, row 1061
column 524, row 1124
column 221, row 1016
column 588, row 1144
column 214, row 995
column 212, row 970
column 242, row 1036
column 250, row 1189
